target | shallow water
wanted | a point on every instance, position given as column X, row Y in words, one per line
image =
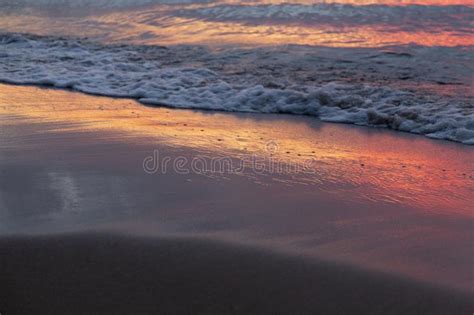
column 330, row 23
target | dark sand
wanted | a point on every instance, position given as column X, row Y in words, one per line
column 110, row 274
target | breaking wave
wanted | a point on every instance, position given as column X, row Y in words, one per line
column 393, row 87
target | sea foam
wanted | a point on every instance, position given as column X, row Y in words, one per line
column 390, row 87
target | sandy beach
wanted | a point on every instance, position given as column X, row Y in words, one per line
column 236, row 157
column 91, row 273
column 307, row 217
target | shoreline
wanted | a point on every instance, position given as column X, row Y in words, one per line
column 151, row 105
column 401, row 105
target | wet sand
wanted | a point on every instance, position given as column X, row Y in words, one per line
column 378, row 222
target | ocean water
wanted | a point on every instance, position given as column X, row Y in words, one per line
column 404, row 65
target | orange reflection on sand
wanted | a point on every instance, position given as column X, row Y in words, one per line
column 351, row 162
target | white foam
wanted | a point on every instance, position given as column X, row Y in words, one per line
column 338, row 85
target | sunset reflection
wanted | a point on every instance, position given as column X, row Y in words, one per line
column 212, row 24
column 381, row 167
column 313, row 156
column 357, row 2
column 211, row 33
